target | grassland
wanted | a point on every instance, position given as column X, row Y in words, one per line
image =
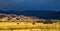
column 28, row 26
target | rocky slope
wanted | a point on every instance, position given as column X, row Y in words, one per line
column 13, row 17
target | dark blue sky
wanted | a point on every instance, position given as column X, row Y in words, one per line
column 30, row 5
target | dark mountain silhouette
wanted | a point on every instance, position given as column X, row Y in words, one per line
column 43, row 14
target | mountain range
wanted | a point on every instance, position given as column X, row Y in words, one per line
column 42, row 14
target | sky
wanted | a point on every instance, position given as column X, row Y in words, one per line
column 30, row 5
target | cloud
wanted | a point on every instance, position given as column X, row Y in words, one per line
column 29, row 4
column 11, row 4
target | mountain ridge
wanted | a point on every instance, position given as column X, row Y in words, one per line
column 40, row 14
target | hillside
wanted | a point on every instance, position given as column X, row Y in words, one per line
column 13, row 17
